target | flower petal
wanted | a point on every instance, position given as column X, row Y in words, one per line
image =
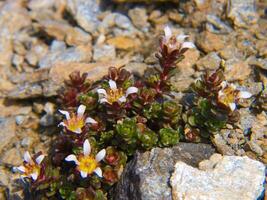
column 27, row 157
column 232, row 106
column 80, row 111
column 112, row 84
column 122, row 99
column 90, row 120
column 188, row 45
column 224, row 84
column 244, row 94
column 34, row 176
column 83, row 174
column 131, row 90
column 62, row 124
column 66, row 113
column 100, row 155
column 39, row 159
column 98, row 171
column 72, row 157
column 86, row 148
column 20, row 168
column 102, row 91
column 103, row 100
column 168, row 32
column 181, row 38
column 78, row 130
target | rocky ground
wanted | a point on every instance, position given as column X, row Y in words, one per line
column 42, row 41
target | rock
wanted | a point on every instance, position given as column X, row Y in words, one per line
column 104, row 53
column 146, row 1
column 209, row 42
column 85, row 13
column 229, row 142
column 246, row 119
column 139, row 17
column 231, row 177
column 242, row 13
column 7, row 131
column 216, row 25
column 40, row 4
column 184, row 77
column 63, row 31
column 190, row 59
column 46, row 82
column 122, row 42
column 209, row 62
column 48, row 119
column 136, row 68
column 230, row 52
column 123, row 22
column 12, row 108
column 80, row 53
column 236, row 69
column 11, row 157
column 147, row 175
column 258, row 62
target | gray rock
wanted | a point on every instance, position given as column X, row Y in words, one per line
column 220, row 26
column 72, row 54
column 242, row 13
column 231, row 177
column 123, row 22
column 147, row 175
column 85, row 13
column 104, row 53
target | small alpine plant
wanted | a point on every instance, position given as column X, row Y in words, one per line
column 104, row 123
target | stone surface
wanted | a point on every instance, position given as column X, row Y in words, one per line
column 81, row 54
column 46, row 82
column 236, row 69
column 211, row 42
column 85, row 12
column 7, row 131
column 209, row 62
column 147, row 175
column 104, row 53
column 230, row 177
column 242, row 13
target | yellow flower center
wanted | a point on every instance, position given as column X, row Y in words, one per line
column 228, row 96
column 87, row 164
column 31, row 169
column 113, row 95
column 75, row 123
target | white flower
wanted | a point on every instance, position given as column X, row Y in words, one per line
column 75, row 123
column 175, row 42
column 115, row 94
column 228, row 95
column 30, row 168
column 87, row 164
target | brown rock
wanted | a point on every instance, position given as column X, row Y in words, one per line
column 209, row 62
column 236, row 70
column 7, row 131
column 191, row 57
column 124, row 43
column 139, row 17
column 63, row 31
column 211, row 42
